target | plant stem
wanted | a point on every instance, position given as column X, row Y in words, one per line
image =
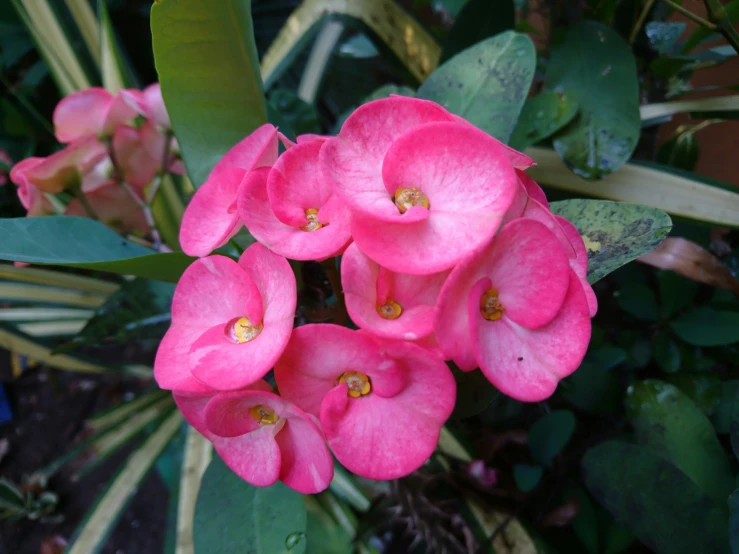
column 639, row 22
column 79, row 195
column 690, row 15
column 717, row 14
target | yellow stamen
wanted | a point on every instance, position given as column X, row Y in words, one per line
column 390, row 310
column 264, row 415
column 242, row 330
column 406, row 198
column 359, row 384
column 490, row 307
column 311, row 214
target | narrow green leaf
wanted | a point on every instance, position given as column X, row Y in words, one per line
column 111, row 65
column 81, row 242
column 478, row 20
column 669, row 422
column 487, row 83
column 550, row 434
column 541, row 117
column 233, row 516
column 666, row 510
column 207, row 63
column 594, row 65
column 615, row 233
column 705, row 326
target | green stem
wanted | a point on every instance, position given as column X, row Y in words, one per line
column 690, row 15
column 717, row 14
column 79, row 195
column 639, row 22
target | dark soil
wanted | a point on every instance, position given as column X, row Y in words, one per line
column 49, row 408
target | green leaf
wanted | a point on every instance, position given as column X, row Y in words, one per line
column 81, row 242
column 478, row 20
column 487, row 83
column 474, row 393
column 680, row 151
column 300, row 116
column 585, row 523
column 638, row 300
column 707, row 327
column 669, row 422
column 734, row 429
column 704, row 390
column 209, row 72
column 701, row 33
column 722, row 419
column 615, row 233
column 325, row 536
column 550, row 434
column 592, row 388
column 667, row 511
column 527, row 477
column 666, row 353
column 734, row 522
column 675, row 292
column 663, row 35
column 233, row 516
column 595, row 66
column 541, row 117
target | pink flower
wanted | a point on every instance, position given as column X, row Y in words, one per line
column 388, row 304
column 518, row 311
column 113, row 207
column 148, row 103
column 211, row 219
column 381, row 403
column 425, row 190
column 90, row 112
column 291, row 208
column 32, row 199
column 262, row 437
column 230, row 322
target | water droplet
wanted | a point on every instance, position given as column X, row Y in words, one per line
column 293, row 539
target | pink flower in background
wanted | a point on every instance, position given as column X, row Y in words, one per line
column 211, row 217
column 262, row 437
column 92, row 112
column 381, row 403
column 114, row 207
column 388, row 304
column 230, row 322
column 518, row 311
column 425, row 190
column 291, row 208
column 7, row 160
column 148, row 103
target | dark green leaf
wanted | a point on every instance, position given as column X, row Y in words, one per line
column 11, row 497
column 666, row 353
column 675, row 292
column 640, row 353
column 734, row 430
column 325, row 536
column 478, row 20
column 592, row 388
column 707, row 327
column 669, row 422
column 704, row 390
column 550, row 434
column 615, row 233
column 734, row 522
column 722, row 419
column 639, row 301
column 541, row 117
column 386, row 90
column 680, row 151
column 527, row 477
column 663, row 35
column 487, row 83
column 585, row 524
column 595, row 66
column 209, row 72
column 81, row 242
column 300, row 116
column 232, row 516
column 474, row 393
column 667, row 511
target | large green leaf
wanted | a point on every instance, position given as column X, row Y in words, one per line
column 667, row 511
column 207, row 64
column 615, row 233
column 487, row 83
column 478, row 20
column 666, row 420
column 232, row 516
column 542, row 116
column 595, row 65
column 705, row 326
column 82, row 242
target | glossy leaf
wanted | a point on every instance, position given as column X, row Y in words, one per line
column 657, row 502
column 550, row 434
column 478, row 20
column 595, row 66
column 208, row 68
column 81, row 242
column 541, row 117
column 487, row 83
column 615, row 233
column 705, row 326
column 233, row 516
column 669, row 422
column 703, row 389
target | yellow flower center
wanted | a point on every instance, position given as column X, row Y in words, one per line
column 390, row 310
column 358, row 383
column 490, row 307
column 311, row 214
column 242, row 330
column 264, row 415
column 406, row 198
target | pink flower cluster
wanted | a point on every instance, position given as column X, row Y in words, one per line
column 127, row 133
column 449, row 252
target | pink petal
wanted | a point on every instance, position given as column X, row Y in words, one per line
column 533, row 190
column 63, row 169
column 192, row 406
column 156, row 111
column 527, row 364
column 259, row 149
column 29, row 195
column 580, row 262
column 388, row 438
column 291, row 241
column 171, row 369
column 119, row 113
column 307, row 465
column 138, row 164
column 114, row 207
column 255, row 456
column 352, row 161
column 519, row 160
column 81, row 114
